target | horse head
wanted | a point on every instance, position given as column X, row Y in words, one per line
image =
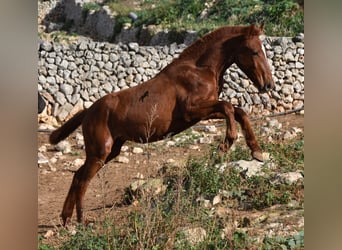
column 251, row 58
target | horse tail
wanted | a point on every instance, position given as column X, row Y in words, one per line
column 67, row 128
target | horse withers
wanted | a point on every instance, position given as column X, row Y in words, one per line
column 182, row 94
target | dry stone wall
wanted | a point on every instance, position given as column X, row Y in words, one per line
column 71, row 77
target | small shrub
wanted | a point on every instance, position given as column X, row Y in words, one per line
column 290, row 242
column 90, row 6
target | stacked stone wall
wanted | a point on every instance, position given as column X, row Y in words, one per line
column 71, row 77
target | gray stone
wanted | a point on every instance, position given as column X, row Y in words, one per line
column 290, row 177
column 41, row 79
column 195, row 235
column 64, row 64
column 66, row 89
column 64, row 147
column 249, row 168
column 299, row 65
column 46, row 46
column 60, row 98
column 287, row 89
column 42, row 159
column 137, row 150
column 153, row 186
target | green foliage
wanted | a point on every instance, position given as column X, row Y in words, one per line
column 42, row 246
column 287, row 156
column 241, row 152
column 88, row 238
column 204, row 174
column 281, row 18
column 291, row 242
column 90, row 6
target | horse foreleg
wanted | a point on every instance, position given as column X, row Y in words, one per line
column 242, row 118
column 116, row 149
column 218, row 109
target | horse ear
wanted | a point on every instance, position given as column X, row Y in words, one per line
column 251, row 30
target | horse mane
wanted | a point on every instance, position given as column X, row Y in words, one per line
column 220, row 34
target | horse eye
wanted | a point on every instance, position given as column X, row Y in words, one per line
column 255, row 53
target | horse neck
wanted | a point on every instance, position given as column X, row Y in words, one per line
column 218, row 57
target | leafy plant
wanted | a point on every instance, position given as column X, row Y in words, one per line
column 88, row 238
column 280, row 17
column 91, row 6
column 291, row 242
column 42, row 246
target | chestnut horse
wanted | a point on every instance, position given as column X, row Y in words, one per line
column 182, row 94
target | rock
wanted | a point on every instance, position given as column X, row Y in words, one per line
column 289, row 135
column 170, row 161
column 249, row 168
column 46, row 46
column 170, row 143
column 124, row 148
column 77, row 163
column 221, row 167
column 122, row 159
column 48, row 234
column 217, row 199
column 299, row 65
column 194, row 147
column 150, row 186
column 66, row 89
column 210, row 129
column 204, row 140
column 287, row 89
column 42, row 159
column 274, row 123
column 205, row 202
column 42, row 149
column 53, row 160
column 137, row 150
column 296, row 130
column 139, row 176
column 194, row 235
column 64, row 147
column 290, row 177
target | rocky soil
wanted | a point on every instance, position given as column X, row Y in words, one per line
column 137, row 167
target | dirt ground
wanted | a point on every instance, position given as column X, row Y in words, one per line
column 105, row 192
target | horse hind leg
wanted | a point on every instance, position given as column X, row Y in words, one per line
column 98, row 148
column 78, row 188
column 82, row 179
column 95, row 165
column 242, row 118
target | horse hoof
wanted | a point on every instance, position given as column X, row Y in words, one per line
column 258, row 156
column 223, row 147
column 65, row 220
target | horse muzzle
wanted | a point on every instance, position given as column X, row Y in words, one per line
column 268, row 85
